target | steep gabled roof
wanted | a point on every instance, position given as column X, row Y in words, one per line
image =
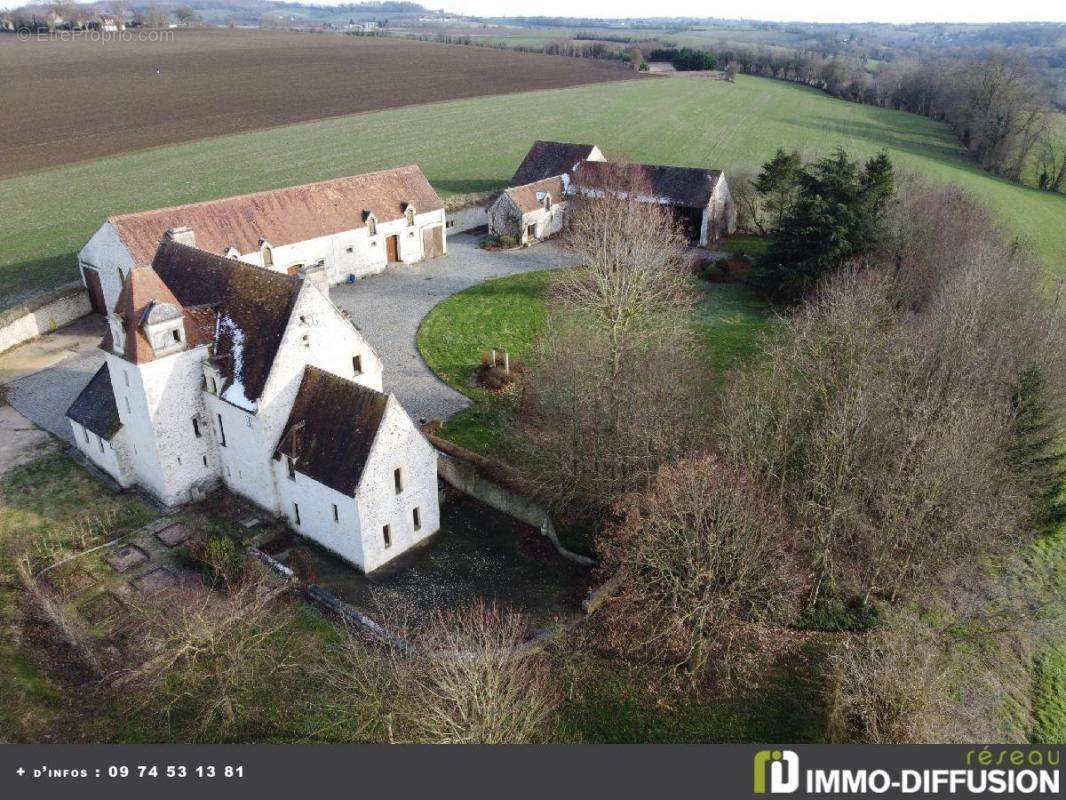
column 683, row 186
column 241, row 308
column 282, row 216
column 530, row 197
column 331, row 429
column 95, row 409
column 142, row 290
column 549, row 159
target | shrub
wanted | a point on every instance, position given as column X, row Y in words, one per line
column 504, row 242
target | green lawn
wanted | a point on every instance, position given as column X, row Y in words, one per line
column 509, row 312
column 474, row 145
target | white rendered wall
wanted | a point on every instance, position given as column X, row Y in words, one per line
column 245, row 459
column 106, row 253
column 107, row 455
column 156, row 402
column 368, row 254
column 398, row 444
column 316, row 502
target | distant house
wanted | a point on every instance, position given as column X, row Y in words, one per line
column 553, row 173
column 111, row 24
column 220, row 372
column 340, row 229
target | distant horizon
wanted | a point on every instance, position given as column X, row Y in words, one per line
column 822, row 12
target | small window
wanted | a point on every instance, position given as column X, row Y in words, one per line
column 296, row 512
column 214, row 386
column 409, row 215
column 397, row 478
column 176, row 335
column 126, row 377
column 303, row 320
column 371, row 228
column 357, row 365
column 349, row 249
column 450, row 223
column 291, row 467
column 547, row 202
column 268, row 256
column 336, row 514
column 386, row 535
column 196, row 427
column 417, row 519
column 128, row 409
column 221, row 431
column 205, row 461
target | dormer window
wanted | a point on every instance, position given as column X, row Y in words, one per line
column 231, row 252
column 267, row 252
column 371, row 225
column 409, row 215
column 547, row 202
column 164, row 325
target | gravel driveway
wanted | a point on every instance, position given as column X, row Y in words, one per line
column 388, row 308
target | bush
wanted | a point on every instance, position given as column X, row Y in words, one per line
column 504, row 242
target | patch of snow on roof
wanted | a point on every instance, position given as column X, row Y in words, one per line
column 235, row 392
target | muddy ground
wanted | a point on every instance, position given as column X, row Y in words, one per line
column 67, row 101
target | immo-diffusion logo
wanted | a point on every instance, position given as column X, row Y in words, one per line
column 783, row 768
column 1011, row 771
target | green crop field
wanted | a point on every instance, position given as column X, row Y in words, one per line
column 474, row 145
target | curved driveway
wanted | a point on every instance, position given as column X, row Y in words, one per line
column 388, row 308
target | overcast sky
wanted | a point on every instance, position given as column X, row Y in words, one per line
column 899, row 11
column 813, row 11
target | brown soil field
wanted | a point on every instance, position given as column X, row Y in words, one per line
column 67, row 101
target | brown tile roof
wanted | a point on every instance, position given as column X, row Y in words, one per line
column 530, row 197
column 282, row 216
column 682, row 186
column 548, row 159
column 242, row 308
column 95, row 407
column 142, row 290
column 331, row 429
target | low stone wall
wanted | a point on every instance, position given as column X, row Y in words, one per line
column 493, row 485
column 468, row 212
column 43, row 314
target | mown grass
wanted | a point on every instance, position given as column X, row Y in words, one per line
column 510, row 312
column 474, row 145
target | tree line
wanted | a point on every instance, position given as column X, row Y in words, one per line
column 995, row 104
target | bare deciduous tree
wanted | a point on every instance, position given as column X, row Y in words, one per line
column 632, row 276
column 702, row 558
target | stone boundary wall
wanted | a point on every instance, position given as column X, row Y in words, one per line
column 43, row 314
column 467, row 212
column 498, row 487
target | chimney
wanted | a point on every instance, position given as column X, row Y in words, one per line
column 182, row 236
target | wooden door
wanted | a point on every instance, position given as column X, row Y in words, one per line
column 392, row 248
column 432, row 242
column 96, row 291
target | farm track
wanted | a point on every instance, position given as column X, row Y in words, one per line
column 68, row 101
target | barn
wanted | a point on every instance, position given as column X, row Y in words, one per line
column 338, row 230
column 699, row 198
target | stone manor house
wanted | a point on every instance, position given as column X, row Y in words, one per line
column 534, row 206
column 227, row 363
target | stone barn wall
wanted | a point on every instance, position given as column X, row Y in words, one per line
column 42, row 315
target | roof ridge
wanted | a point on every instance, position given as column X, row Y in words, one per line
column 198, row 203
